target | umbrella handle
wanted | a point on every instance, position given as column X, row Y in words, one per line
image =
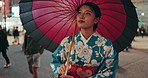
column 68, row 58
column 67, row 67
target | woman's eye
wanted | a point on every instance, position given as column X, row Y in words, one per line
column 79, row 12
column 88, row 13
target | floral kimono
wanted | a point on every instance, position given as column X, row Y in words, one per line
column 97, row 51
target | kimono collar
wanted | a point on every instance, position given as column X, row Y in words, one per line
column 86, row 40
column 101, row 38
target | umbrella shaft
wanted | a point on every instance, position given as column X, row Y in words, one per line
column 68, row 58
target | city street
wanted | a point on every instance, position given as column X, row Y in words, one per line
column 118, row 20
column 19, row 68
column 132, row 64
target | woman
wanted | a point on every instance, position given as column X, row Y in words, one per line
column 3, row 47
column 89, row 49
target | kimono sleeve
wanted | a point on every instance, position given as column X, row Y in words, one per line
column 56, row 61
column 109, row 65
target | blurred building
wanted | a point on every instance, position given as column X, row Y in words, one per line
column 142, row 11
column 5, row 8
column 9, row 14
column 14, row 2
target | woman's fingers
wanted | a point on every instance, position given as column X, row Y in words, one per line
column 62, row 69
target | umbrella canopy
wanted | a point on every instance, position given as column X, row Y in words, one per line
column 49, row 21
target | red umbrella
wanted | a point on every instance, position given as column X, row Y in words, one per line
column 49, row 21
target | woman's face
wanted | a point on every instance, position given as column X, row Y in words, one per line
column 86, row 18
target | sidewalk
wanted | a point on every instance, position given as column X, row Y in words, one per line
column 140, row 43
column 134, row 63
column 19, row 67
column 11, row 39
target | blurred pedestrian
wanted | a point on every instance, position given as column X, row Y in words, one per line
column 146, row 31
column 142, row 31
column 127, row 47
column 4, row 46
column 16, row 35
column 33, row 52
column 4, row 30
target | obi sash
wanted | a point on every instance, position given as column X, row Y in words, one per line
column 82, row 71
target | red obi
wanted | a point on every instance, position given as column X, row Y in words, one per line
column 82, row 71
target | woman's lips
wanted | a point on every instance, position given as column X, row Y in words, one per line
column 81, row 21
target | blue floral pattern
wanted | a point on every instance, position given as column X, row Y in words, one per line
column 95, row 51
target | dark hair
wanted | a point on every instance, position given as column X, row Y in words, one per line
column 95, row 8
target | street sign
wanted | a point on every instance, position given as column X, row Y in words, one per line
column 140, row 22
column 12, row 14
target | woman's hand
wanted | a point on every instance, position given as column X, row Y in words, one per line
column 62, row 69
column 66, row 76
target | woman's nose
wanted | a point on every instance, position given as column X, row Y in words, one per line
column 81, row 16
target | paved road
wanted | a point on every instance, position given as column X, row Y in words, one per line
column 132, row 64
column 19, row 68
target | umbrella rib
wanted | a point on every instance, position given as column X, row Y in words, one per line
column 73, row 2
column 47, row 21
column 60, row 5
column 110, row 33
column 80, row 2
column 119, row 31
column 70, row 24
column 50, row 29
column 50, row 13
column 112, row 25
column 113, row 10
column 107, row 29
column 110, row 3
column 68, row 21
column 126, row 37
column 57, row 2
column 61, row 28
column 77, row 3
column 70, row 3
column 42, row 8
column 116, row 19
column 53, row 18
column 113, row 18
column 46, row 14
column 64, row 4
column 86, row 0
column 117, row 12
column 65, row 12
